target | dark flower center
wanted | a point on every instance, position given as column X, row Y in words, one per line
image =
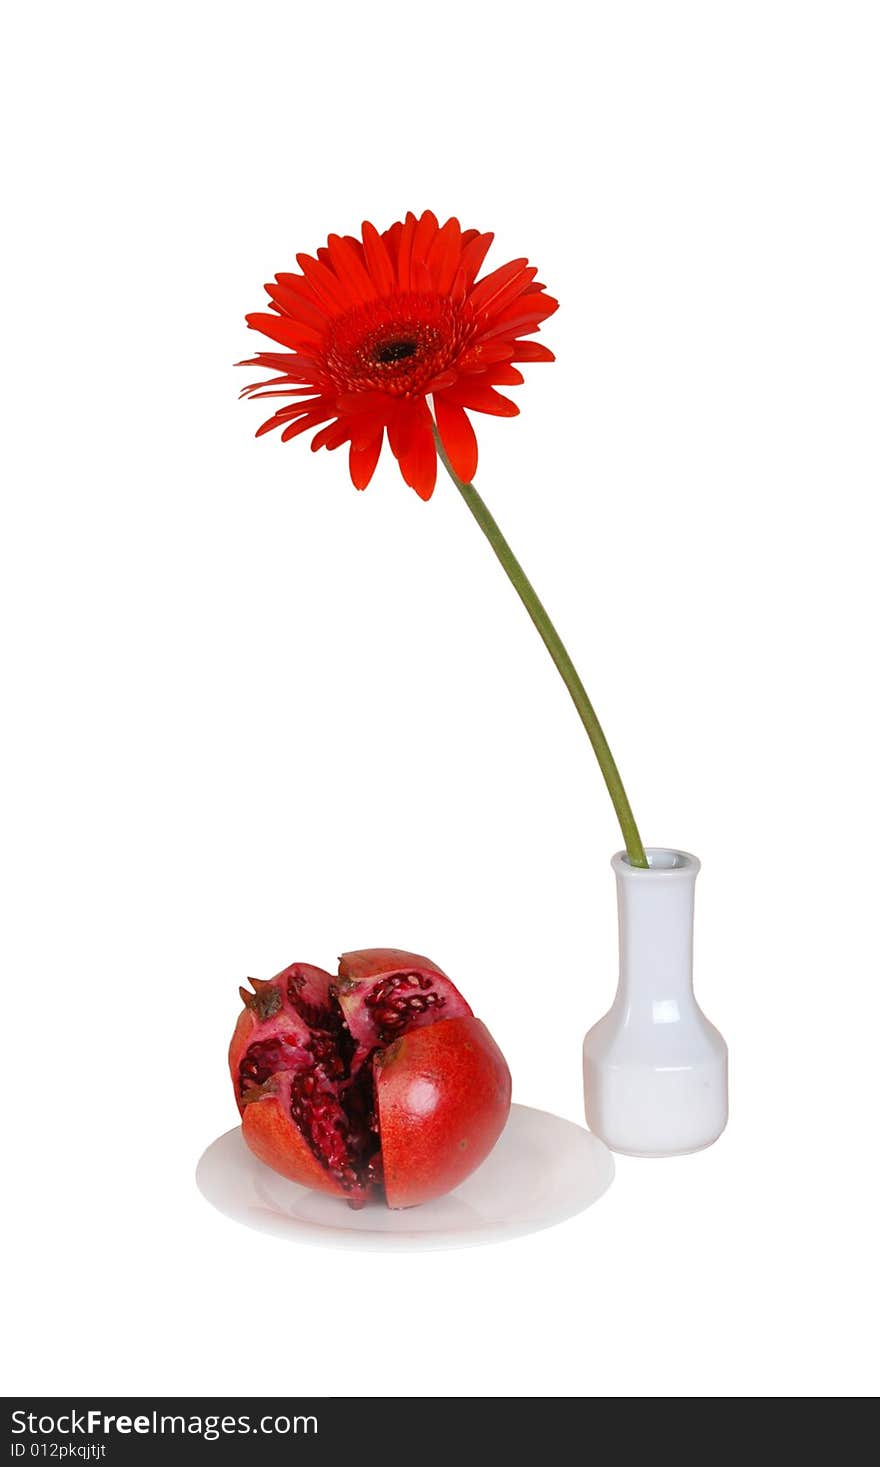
column 395, row 345
column 396, row 350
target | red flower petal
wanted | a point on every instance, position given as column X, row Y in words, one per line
column 303, row 425
column 362, row 461
column 411, row 437
column 527, row 312
column 329, row 290
column 531, row 351
column 290, row 414
column 473, row 255
column 301, row 307
column 404, row 252
column 282, row 392
column 443, row 379
column 349, row 269
column 443, row 256
column 283, row 329
column 400, row 430
column 378, row 262
column 421, row 277
column 483, row 355
column 482, row 399
column 495, row 287
column 333, row 436
column 420, row 465
column 423, row 238
column 391, row 241
column 280, row 361
column 360, row 402
column 357, row 246
column 458, row 437
column 504, row 376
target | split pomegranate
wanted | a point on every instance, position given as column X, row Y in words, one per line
column 380, row 1079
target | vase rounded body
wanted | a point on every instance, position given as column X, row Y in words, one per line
column 655, row 1069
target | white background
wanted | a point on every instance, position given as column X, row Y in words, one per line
column 254, row 716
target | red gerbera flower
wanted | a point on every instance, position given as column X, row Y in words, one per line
column 377, row 325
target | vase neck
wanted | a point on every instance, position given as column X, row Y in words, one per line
column 656, row 916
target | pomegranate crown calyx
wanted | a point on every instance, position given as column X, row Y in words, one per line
column 265, row 1001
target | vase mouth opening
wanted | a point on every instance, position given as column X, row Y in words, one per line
column 662, row 861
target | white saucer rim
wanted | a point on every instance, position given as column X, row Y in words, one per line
column 272, row 1222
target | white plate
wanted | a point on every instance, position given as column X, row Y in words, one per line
column 543, row 1170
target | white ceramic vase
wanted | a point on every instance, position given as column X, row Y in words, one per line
column 655, row 1069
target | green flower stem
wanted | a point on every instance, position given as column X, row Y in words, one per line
column 553, row 642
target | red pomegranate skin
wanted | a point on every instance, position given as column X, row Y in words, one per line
column 272, row 1137
column 368, row 962
column 381, row 1076
column 444, row 1099
column 266, row 1124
